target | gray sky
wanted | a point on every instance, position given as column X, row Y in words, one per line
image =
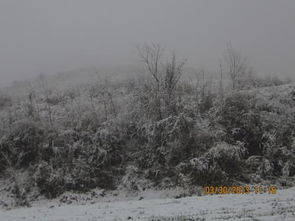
column 57, row 35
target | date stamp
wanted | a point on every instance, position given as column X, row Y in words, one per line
column 258, row 189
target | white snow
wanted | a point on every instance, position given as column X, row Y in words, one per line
column 280, row 206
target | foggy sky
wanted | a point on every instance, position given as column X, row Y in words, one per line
column 47, row 36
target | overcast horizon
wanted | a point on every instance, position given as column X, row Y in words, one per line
column 61, row 35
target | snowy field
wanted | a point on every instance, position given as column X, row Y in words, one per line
column 280, row 206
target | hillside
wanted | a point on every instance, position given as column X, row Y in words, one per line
column 132, row 136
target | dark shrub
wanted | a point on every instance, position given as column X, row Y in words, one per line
column 242, row 122
column 5, row 101
column 218, row 166
column 22, row 145
column 49, row 181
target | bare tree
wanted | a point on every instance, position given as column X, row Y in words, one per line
column 173, row 72
column 200, row 84
column 151, row 55
column 221, row 82
column 165, row 77
column 236, row 65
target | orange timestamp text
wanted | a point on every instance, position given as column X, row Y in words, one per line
column 259, row 189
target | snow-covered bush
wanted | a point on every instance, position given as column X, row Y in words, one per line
column 225, row 153
column 221, row 163
column 49, row 180
column 5, row 101
column 253, row 162
column 266, row 168
column 171, row 141
column 203, row 172
column 242, row 121
column 21, row 146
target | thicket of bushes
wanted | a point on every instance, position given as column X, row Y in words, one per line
column 169, row 133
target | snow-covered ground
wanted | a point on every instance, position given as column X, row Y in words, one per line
column 280, row 206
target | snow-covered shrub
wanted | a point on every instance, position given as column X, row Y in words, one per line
column 49, row 180
column 227, row 156
column 242, row 121
column 112, row 139
column 84, row 162
column 234, row 152
column 253, row 162
column 266, row 168
column 206, row 103
column 66, row 137
column 133, row 180
column 289, row 168
column 21, row 184
column 286, row 170
column 22, row 145
column 83, row 176
column 278, row 130
column 200, row 164
column 170, row 142
column 54, row 98
column 203, row 172
column 89, row 121
column 221, row 163
column 5, row 101
column 283, row 160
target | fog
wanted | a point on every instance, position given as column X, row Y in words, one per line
column 38, row 36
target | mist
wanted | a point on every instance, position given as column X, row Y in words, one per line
column 59, row 35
